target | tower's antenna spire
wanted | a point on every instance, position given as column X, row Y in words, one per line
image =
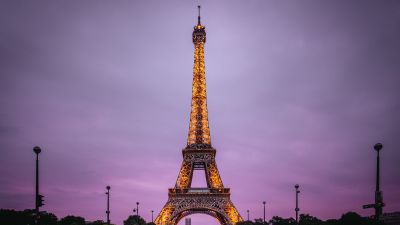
column 198, row 18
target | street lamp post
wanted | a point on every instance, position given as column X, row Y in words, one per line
column 378, row 193
column 152, row 220
column 264, row 211
column 248, row 215
column 137, row 209
column 297, row 203
column 137, row 212
column 38, row 198
column 108, row 204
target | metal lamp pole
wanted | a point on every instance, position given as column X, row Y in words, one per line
column 378, row 194
column 137, row 209
column 378, row 205
column 108, row 204
column 264, row 210
column 248, row 215
column 152, row 220
column 137, row 212
column 297, row 203
column 37, row 150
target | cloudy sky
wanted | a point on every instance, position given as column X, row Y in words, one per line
column 298, row 92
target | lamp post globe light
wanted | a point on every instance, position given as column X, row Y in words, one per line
column 37, row 149
column 378, row 146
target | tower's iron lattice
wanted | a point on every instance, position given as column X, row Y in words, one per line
column 184, row 200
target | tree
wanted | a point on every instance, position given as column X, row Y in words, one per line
column 134, row 220
column 351, row 218
column 97, row 222
column 246, row 222
column 276, row 220
column 332, row 222
column 306, row 219
column 260, row 221
column 48, row 218
column 12, row 217
column 72, row 220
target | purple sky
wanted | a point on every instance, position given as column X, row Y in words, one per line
column 298, row 92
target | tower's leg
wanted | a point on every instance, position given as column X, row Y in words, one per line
column 232, row 213
column 213, row 176
column 185, row 175
column 165, row 215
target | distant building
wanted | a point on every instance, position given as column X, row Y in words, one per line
column 188, row 221
column 391, row 218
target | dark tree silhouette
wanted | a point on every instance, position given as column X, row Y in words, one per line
column 26, row 217
column 97, row 222
column 276, row 220
column 260, row 221
column 331, row 222
column 12, row 217
column 246, row 222
column 306, row 219
column 351, row 218
column 48, row 218
column 134, row 220
column 72, row 220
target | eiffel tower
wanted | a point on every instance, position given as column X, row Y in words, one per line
column 184, row 200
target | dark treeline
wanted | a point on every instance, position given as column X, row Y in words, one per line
column 350, row 218
column 26, row 217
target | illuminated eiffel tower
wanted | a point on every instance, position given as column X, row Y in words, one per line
column 184, row 200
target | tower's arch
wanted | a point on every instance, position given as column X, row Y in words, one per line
column 217, row 215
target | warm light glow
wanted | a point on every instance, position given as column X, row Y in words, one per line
column 164, row 216
column 233, row 214
column 215, row 179
column 213, row 200
column 199, row 132
column 184, row 175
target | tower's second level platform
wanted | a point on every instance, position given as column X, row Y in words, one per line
column 199, row 191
